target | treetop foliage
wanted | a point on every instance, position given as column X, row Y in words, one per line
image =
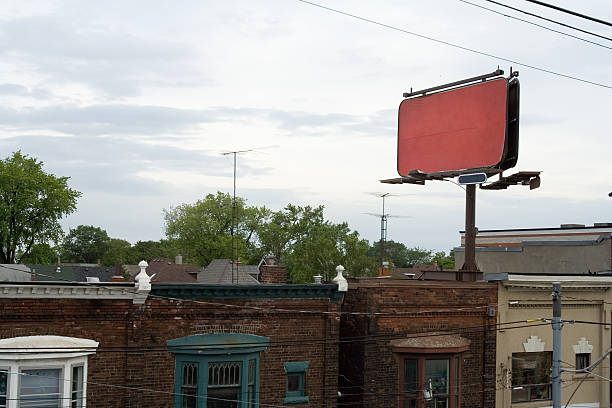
column 31, row 204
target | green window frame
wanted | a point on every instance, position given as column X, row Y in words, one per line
column 225, row 365
column 296, row 378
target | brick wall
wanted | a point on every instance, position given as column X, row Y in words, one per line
column 368, row 365
column 132, row 350
column 272, row 274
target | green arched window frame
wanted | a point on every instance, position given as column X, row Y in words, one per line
column 198, row 354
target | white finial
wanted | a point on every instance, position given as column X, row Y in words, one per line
column 143, row 281
column 340, row 280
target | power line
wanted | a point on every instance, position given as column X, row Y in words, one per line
column 461, row 47
column 535, row 24
column 573, row 13
column 549, row 20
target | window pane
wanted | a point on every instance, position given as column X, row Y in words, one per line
column 189, row 388
column 583, row 360
column 531, row 376
column 223, row 385
column 76, row 393
column 410, row 376
column 3, row 386
column 293, row 382
column 40, row 388
column 436, row 376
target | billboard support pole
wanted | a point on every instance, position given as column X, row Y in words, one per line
column 469, row 263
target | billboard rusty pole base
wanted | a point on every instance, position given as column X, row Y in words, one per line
column 469, row 264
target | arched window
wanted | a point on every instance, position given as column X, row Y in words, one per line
column 218, row 370
column 429, row 370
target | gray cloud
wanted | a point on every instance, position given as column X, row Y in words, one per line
column 101, row 165
column 117, row 64
column 143, row 120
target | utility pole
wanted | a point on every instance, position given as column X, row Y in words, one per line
column 556, row 358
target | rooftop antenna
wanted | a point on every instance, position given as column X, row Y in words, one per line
column 234, row 209
column 383, row 222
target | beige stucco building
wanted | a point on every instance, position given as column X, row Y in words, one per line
column 569, row 249
column 524, row 340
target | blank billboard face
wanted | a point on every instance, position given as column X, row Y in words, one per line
column 455, row 130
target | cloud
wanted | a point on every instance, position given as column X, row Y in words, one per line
column 117, row 64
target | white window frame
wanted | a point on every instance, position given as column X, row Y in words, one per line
column 45, row 352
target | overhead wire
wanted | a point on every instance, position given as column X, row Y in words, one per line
column 537, row 25
column 573, row 13
column 454, row 45
column 549, row 20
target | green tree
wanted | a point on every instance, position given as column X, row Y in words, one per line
column 117, row 250
column 31, row 204
column 41, row 254
column 203, row 230
column 400, row 255
column 148, row 250
column 443, row 260
column 85, row 243
column 309, row 245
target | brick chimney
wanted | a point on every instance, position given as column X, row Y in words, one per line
column 272, row 274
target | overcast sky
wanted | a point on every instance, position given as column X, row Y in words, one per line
column 136, row 100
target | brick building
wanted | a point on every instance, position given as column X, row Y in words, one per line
column 168, row 345
column 406, row 342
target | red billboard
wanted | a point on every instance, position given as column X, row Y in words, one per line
column 461, row 130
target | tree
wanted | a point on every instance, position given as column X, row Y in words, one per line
column 203, row 230
column 31, row 204
column 400, row 256
column 117, row 250
column 308, row 245
column 85, row 243
column 40, row 254
column 445, row 261
column 148, row 250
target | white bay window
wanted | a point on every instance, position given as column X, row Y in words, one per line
column 44, row 371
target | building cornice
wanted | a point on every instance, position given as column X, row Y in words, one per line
column 270, row 291
column 55, row 290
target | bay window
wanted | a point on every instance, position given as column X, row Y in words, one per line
column 217, row 370
column 37, row 371
column 430, row 371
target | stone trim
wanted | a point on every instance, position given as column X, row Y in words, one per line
column 534, row 344
column 583, row 346
column 52, row 290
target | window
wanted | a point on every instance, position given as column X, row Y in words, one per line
column 3, row 389
column 217, row 370
column 430, row 370
column 296, row 374
column 583, row 360
column 531, row 376
column 51, row 379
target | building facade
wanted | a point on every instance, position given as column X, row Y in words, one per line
column 168, row 345
column 418, row 344
column 569, row 249
column 524, row 340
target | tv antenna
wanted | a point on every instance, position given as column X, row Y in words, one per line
column 383, row 222
column 235, row 153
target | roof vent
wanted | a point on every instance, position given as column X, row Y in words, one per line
column 93, row 279
column 569, row 226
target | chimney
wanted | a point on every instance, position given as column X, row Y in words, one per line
column 384, row 269
column 178, row 259
column 272, row 274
